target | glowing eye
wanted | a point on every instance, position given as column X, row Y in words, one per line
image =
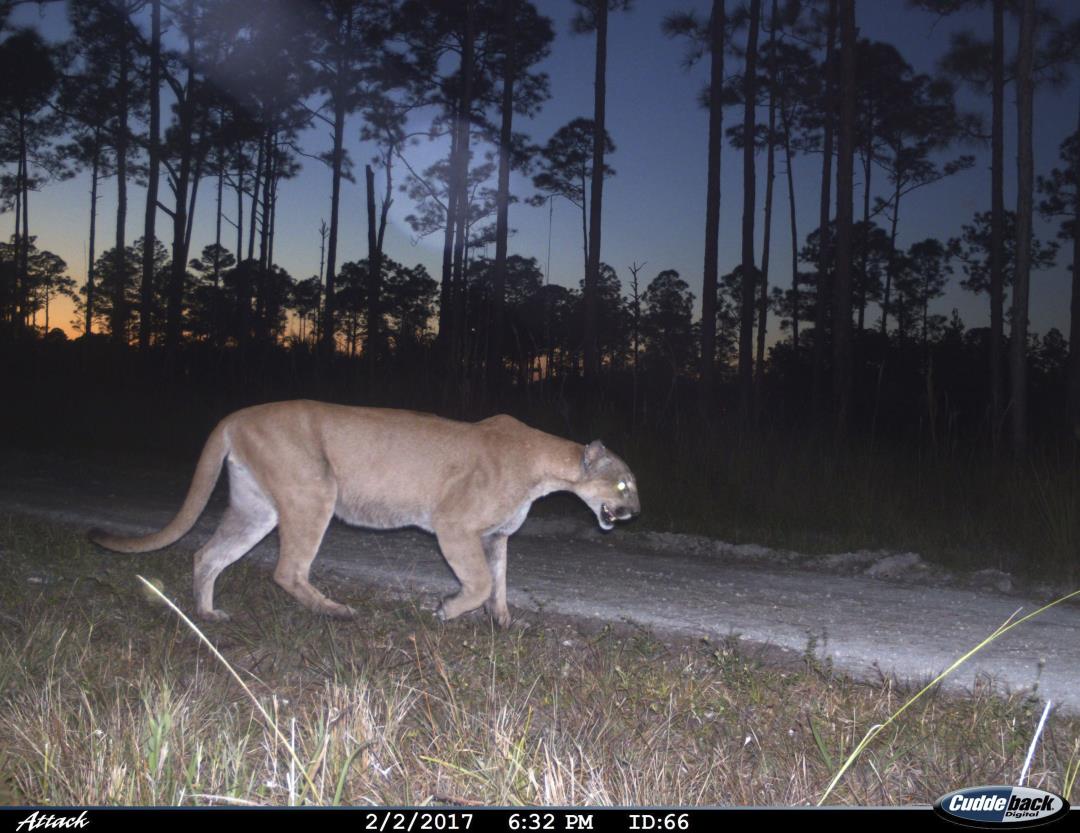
column 621, row 485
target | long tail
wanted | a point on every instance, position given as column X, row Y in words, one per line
column 202, row 486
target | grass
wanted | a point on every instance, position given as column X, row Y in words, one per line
column 106, row 697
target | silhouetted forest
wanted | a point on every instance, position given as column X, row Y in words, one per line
column 203, row 103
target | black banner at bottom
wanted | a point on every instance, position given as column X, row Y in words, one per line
column 462, row 819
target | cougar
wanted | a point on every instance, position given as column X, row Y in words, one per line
column 295, row 465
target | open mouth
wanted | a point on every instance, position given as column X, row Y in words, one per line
column 607, row 517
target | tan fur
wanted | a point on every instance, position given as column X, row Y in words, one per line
column 296, row 465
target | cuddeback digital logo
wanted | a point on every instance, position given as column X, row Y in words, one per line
column 1001, row 806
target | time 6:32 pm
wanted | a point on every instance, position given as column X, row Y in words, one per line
column 550, row 821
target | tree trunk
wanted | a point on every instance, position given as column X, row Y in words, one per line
column 817, row 396
column 375, row 291
column 592, row 273
column 196, row 178
column 95, row 165
column 842, row 345
column 446, row 294
column 262, row 308
column 1073, row 398
column 458, row 349
column 384, row 211
column 259, row 163
column 635, row 300
column 459, row 343
column 120, row 312
column 374, row 277
column 891, row 266
column 770, row 176
column 17, row 281
column 240, row 207
column 794, row 242
column 1025, row 175
column 323, row 232
column 925, row 320
column 997, row 225
column 23, row 295
column 336, row 161
column 502, row 198
column 746, row 328
column 268, row 184
column 218, row 212
column 274, row 182
column 178, row 272
column 712, row 207
column 584, row 223
column 763, row 289
column 243, row 277
column 153, row 150
column 868, row 169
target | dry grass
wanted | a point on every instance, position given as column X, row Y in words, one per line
column 106, row 698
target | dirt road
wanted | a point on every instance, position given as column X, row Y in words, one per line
column 870, row 612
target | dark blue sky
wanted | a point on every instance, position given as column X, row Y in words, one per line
column 654, row 206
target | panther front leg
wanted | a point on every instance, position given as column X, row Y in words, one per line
column 464, row 552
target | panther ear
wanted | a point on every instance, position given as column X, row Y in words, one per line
column 594, row 451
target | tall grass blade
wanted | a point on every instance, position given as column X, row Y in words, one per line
column 1001, row 630
column 269, row 720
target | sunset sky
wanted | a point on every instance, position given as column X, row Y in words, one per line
column 654, row 206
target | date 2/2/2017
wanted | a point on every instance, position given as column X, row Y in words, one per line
column 417, row 820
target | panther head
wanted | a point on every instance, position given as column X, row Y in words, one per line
column 607, row 486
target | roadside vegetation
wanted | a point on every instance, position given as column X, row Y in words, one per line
column 107, row 697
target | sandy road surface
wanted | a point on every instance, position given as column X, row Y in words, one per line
column 866, row 625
